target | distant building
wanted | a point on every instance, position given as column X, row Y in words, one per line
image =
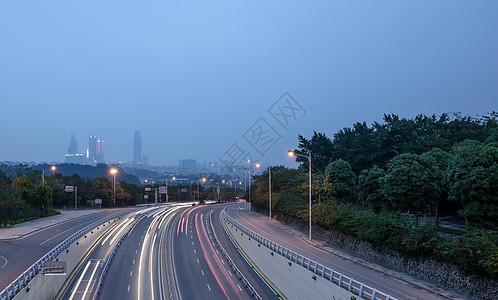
column 72, row 156
column 100, row 150
column 188, row 164
column 73, row 145
column 95, row 153
column 78, row 158
column 137, row 148
column 92, row 149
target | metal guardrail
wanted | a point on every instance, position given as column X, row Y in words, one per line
column 353, row 286
column 232, row 264
column 22, row 281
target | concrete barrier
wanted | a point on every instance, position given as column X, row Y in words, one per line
column 296, row 276
column 47, row 286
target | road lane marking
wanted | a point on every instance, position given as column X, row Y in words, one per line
column 239, row 287
column 90, row 280
column 131, row 273
column 79, row 281
column 198, row 261
column 58, row 235
column 128, row 288
column 195, row 251
column 192, row 243
column 206, row 256
column 5, row 258
column 133, row 261
column 202, row 272
column 208, row 286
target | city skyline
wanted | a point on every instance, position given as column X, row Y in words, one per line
column 194, row 90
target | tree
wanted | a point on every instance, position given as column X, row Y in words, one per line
column 23, row 189
column 321, row 150
column 473, row 180
column 369, row 188
column 342, row 180
column 42, row 197
column 442, row 160
column 412, row 183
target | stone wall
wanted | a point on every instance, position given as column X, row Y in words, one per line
column 440, row 273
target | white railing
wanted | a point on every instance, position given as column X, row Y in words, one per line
column 353, row 286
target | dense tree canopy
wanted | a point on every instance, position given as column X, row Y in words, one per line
column 473, row 180
column 413, row 183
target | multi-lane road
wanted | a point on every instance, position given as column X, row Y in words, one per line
column 171, row 252
column 16, row 255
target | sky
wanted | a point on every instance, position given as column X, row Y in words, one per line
column 202, row 78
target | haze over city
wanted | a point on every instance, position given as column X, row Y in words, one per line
column 194, row 77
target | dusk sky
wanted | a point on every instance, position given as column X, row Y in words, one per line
column 194, row 76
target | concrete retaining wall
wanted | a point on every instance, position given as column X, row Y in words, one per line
column 47, row 286
column 292, row 279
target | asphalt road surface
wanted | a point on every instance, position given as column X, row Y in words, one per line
column 17, row 255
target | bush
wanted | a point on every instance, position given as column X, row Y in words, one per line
column 474, row 251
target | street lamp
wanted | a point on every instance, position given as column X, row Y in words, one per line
column 291, row 153
column 198, row 181
column 269, row 188
column 113, row 172
column 43, row 173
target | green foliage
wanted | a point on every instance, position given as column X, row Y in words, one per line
column 342, row 181
column 413, row 182
column 321, row 150
column 42, row 197
column 23, row 188
column 473, row 180
column 369, row 186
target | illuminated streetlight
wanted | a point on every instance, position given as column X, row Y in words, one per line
column 114, row 171
column 291, row 153
column 43, row 173
column 198, row 181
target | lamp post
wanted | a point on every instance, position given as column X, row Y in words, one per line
column 198, row 181
column 269, row 189
column 291, row 153
column 43, row 174
column 113, row 172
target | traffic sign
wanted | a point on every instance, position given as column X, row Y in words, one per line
column 69, row 188
column 162, row 189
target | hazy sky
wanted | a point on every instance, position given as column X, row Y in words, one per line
column 194, row 76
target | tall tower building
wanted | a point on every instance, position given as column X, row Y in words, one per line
column 100, row 151
column 73, row 145
column 92, row 149
column 137, row 148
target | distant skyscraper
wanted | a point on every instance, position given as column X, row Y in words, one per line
column 100, row 151
column 73, row 145
column 72, row 156
column 137, row 148
column 92, row 149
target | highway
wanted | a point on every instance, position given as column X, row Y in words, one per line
column 138, row 269
column 19, row 254
column 170, row 252
column 398, row 285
